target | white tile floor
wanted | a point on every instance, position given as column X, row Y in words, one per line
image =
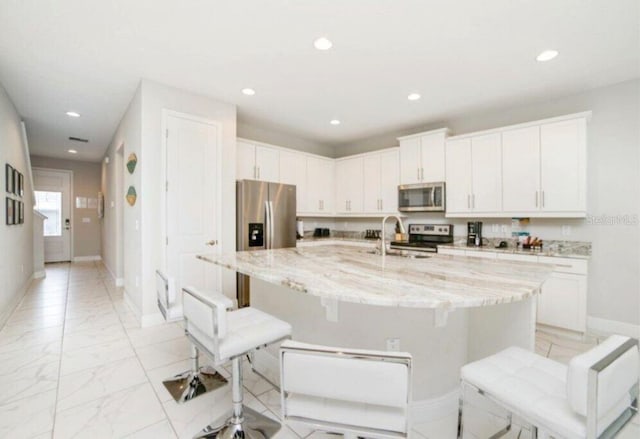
column 74, row 363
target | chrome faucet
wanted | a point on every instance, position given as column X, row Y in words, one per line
column 384, row 220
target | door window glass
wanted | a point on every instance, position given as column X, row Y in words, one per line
column 50, row 205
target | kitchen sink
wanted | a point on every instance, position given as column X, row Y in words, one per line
column 400, row 253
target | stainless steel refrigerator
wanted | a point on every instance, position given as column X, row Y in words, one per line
column 266, row 219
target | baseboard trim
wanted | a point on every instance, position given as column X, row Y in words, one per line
column 605, row 326
column 87, row 258
column 4, row 317
column 39, row 274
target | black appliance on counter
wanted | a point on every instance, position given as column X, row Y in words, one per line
column 426, row 237
column 474, row 234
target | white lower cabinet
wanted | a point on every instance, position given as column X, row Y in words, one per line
column 563, row 300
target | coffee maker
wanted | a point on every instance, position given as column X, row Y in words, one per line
column 474, row 234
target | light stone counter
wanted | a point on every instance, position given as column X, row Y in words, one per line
column 350, row 274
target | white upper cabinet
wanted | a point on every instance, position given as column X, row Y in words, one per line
column 422, row 157
column 536, row 169
column 381, row 179
column 320, row 184
column 563, row 166
column 267, row 164
column 486, row 177
column 257, row 162
column 245, row 161
column 521, row 170
column 293, row 170
column 349, row 185
column 458, row 183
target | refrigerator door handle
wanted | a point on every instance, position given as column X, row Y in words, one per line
column 267, row 233
column 272, row 230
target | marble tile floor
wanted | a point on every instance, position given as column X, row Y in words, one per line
column 75, row 364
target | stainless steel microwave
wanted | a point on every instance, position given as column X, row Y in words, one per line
column 421, row 197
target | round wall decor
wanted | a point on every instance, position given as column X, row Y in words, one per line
column 131, row 196
column 132, row 161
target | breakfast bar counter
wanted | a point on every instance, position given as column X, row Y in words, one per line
column 444, row 310
column 410, row 279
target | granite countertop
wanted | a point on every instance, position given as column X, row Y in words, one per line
column 354, row 274
column 558, row 249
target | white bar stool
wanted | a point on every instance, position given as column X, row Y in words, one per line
column 197, row 380
column 350, row 391
column 594, row 397
column 229, row 335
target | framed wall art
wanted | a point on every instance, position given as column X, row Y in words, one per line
column 9, row 211
column 8, row 172
column 20, row 184
column 20, row 212
column 16, row 177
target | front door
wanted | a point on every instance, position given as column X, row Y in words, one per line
column 192, row 200
column 53, row 200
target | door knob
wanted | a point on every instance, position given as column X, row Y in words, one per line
column 212, row 242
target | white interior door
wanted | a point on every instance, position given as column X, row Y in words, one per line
column 53, row 199
column 192, row 201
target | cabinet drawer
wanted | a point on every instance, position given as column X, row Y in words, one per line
column 451, row 251
column 481, row 254
column 516, row 257
column 565, row 265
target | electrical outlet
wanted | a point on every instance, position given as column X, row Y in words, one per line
column 393, row 344
column 566, row 230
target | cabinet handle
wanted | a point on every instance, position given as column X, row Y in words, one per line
column 473, row 200
column 542, row 198
column 418, row 174
column 381, row 208
column 468, row 201
column 422, row 174
column 536, row 199
column 255, row 172
column 258, row 172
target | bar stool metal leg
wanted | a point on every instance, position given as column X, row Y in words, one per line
column 194, row 382
column 244, row 422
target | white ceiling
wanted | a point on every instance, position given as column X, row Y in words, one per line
column 89, row 56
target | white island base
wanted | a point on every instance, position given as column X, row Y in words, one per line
column 439, row 343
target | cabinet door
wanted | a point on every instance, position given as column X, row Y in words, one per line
column 293, row 170
column 267, row 164
column 343, row 191
column 562, row 302
column 245, row 161
column 410, row 161
column 521, row 170
column 372, row 173
column 349, row 181
column 389, row 181
column 320, row 184
column 433, row 169
column 486, row 171
column 458, row 172
column 562, row 170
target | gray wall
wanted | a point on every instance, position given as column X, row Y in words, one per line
column 613, row 189
column 86, row 183
column 254, row 132
column 16, row 241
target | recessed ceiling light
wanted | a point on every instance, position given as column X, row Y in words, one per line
column 248, row 91
column 73, row 114
column 335, row 122
column 413, row 97
column 323, row 43
column 72, row 151
column 547, row 55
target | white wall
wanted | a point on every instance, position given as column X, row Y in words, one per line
column 121, row 246
column 613, row 189
column 16, row 241
column 255, row 132
column 141, row 132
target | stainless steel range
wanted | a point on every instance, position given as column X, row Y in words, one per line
column 426, row 237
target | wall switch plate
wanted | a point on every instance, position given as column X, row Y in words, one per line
column 113, row 204
column 393, row 344
column 137, row 225
column 86, row 220
column 566, row 230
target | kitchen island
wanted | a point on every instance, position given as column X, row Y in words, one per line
column 444, row 310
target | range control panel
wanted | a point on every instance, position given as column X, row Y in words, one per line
column 431, row 229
